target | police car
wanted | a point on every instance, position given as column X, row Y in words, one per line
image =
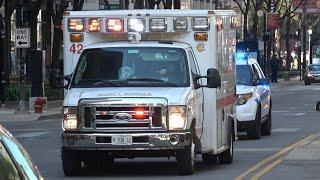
column 254, row 98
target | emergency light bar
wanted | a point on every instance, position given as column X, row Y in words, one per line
column 94, row 25
column 157, row 24
column 136, row 25
column 76, row 25
column 180, row 24
column 200, row 23
column 114, row 25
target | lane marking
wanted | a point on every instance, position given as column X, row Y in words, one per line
column 285, row 130
column 267, row 169
column 274, row 156
column 255, row 149
column 280, row 111
column 31, row 134
column 21, row 130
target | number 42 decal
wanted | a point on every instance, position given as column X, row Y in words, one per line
column 76, row 48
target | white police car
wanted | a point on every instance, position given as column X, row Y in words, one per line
column 254, row 98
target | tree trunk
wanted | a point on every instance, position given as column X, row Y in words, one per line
column 288, row 48
column 245, row 26
column 255, row 26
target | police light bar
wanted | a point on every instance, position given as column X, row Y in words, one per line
column 200, row 23
column 157, row 24
column 76, row 25
column 180, row 24
column 114, row 25
column 136, row 25
column 94, row 25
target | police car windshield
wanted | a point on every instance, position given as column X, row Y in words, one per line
column 314, row 67
column 244, row 75
column 132, row 67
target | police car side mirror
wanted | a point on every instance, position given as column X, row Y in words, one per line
column 263, row 81
column 318, row 106
column 213, row 78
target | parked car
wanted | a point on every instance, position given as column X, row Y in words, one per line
column 15, row 162
column 312, row 74
column 254, row 99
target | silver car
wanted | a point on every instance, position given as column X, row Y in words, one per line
column 15, row 162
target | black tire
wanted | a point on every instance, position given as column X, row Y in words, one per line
column 70, row 162
column 209, row 158
column 306, row 82
column 254, row 132
column 226, row 157
column 267, row 126
column 186, row 160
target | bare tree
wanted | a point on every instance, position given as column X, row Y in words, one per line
column 244, row 6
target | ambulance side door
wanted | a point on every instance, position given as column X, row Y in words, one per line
column 199, row 106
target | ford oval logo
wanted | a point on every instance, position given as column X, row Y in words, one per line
column 122, row 116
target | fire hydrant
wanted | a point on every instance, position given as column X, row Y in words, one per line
column 39, row 103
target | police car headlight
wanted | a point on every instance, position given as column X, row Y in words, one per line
column 177, row 117
column 309, row 74
column 70, row 118
column 243, row 98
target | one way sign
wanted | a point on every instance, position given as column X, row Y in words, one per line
column 23, row 38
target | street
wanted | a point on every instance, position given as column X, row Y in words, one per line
column 293, row 115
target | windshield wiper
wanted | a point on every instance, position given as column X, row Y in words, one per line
column 152, row 80
column 107, row 82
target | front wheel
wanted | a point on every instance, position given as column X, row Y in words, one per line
column 70, row 162
column 227, row 156
column 186, row 160
column 254, row 131
column 267, row 126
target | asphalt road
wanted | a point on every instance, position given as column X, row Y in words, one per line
column 294, row 118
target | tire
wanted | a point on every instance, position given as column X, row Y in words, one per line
column 209, row 158
column 254, row 132
column 70, row 162
column 306, row 83
column 186, row 160
column 226, row 157
column 267, row 126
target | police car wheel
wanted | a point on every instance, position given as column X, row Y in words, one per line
column 70, row 162
column 186, row 160
column 226, row 157
column 254, row 132
column 267, row 126
column 306, row 82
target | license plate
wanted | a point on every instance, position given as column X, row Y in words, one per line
column 121, row 140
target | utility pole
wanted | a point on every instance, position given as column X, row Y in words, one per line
column 304, row 36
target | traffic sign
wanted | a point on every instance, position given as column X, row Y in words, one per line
column 23, row 38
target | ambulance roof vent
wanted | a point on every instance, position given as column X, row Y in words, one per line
column 134, row 37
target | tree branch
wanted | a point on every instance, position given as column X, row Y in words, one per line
column 239, row 5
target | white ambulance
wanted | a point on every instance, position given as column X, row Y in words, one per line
column 148, row 83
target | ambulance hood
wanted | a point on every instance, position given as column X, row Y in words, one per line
column 174, row 95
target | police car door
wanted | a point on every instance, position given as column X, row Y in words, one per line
column 263, row 91
column 198, row 94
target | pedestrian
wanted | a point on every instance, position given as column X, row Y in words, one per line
column 274, row 68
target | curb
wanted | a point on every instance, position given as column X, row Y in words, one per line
column 50, row 116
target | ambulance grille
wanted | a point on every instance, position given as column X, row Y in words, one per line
column 122, row 117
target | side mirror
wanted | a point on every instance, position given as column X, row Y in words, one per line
column 213, row 78
column 263, row 81
column 318, row 106
column 57, row 79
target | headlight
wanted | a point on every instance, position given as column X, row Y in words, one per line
column 70, row 118
column 243, row 98
column 177, row 117
column 309, row 74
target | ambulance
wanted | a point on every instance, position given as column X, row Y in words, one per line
column 148, row 83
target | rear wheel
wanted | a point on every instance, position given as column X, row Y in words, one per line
column 186, row 160
column 267, row 126
column 254, row 132
column 70, row 162
column 209, row 158
column 227, row 156
column 306, row 82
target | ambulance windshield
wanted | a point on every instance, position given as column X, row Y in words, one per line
column 132, row 67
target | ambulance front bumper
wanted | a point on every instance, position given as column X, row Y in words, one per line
column 140, row 141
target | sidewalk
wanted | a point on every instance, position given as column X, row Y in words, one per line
column 11, row 112
column 294, row 81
